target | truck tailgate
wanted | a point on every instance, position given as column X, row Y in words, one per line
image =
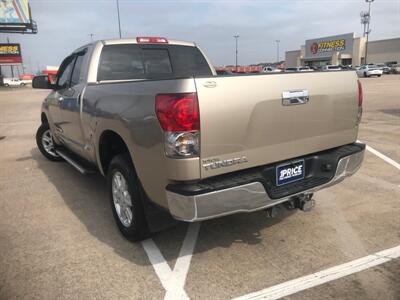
column 244, row 123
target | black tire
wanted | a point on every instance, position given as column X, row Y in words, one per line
column 379, row 75
column 365, row 74
column 22, row 84
column 42, row 130
column 137, row 230
column 6, row 84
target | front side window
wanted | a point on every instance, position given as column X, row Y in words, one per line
column 76, row 73
column 64, row 75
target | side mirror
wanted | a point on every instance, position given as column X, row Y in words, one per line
column 42, row 82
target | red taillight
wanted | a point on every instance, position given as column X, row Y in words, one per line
column 360, row 93
column 178, row 112
column 147, row 39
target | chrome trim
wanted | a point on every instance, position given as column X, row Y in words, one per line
column 246, row 198
column 295, row 97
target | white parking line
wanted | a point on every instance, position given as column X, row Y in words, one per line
column 384, row 157
column 293, row 286
column 173, row 281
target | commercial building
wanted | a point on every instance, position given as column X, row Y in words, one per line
column 344, row 49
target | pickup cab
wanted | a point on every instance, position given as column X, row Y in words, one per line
column 177, row 142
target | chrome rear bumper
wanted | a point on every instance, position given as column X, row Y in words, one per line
column 246, row 198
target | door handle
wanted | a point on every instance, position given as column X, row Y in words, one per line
column 295, row 97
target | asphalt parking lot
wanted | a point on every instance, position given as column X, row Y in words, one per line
column 58, row 239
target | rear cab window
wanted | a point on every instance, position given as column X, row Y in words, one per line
column 136, row 61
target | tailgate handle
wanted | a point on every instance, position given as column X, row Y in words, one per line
column 295, row 97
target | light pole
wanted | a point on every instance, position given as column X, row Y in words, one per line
column 368, row 30
column 91, row 37
column 236, row 41
column 11, row 66
column 277, row 50
column 119, row 20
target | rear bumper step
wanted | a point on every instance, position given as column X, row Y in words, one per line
column 254, row 189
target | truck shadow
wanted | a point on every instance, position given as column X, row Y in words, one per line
column 87, row 198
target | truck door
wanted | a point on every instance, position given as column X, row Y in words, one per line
column 70, row 107
column 56, row 98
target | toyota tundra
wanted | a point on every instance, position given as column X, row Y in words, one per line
column 174, row 139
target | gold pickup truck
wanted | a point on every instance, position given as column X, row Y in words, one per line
column 174, row 139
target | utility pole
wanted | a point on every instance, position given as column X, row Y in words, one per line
column 119, row 20
column 368, row 30
column 11, row 66
column 277, row 50
column 236, row 42
column 365, row 20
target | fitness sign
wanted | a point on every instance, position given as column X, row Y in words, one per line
column 336, row 45
column 323, row 47
column 10, row 54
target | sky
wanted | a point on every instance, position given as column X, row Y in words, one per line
column 64, row 25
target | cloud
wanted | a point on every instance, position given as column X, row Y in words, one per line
column 66, row 25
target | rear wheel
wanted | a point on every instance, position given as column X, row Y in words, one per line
column 45, row 143
column 126, row 198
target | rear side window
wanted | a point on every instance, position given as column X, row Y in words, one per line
column 133, row 61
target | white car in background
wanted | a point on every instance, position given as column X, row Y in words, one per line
column 305, row 69
column 271, row 70
column 13, row 82
column 299, row 69
column 331, row 68
column 369, row 70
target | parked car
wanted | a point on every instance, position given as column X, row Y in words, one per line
column 271, row 70
column 369, row 70
column 395, row 69
column 292, row 69
column 345, row 67
column 383, row 67
column 174, row 139
column 331, row 68
column 13, row 82
column 299, row 69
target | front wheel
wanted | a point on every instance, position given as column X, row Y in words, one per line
column 126, row 198
column 45, row 143
column 6, row 84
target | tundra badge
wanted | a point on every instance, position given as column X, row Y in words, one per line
column 216, row 163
